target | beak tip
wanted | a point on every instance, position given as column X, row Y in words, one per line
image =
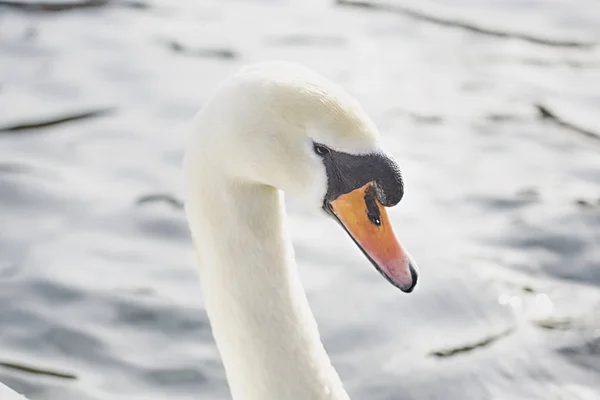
column 414, row 277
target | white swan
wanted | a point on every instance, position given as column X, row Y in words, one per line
column 280, row 126
column 276, row 127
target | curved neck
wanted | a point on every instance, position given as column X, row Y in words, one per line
column 260, row 317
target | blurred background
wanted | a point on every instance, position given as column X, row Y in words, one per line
column 490, row 107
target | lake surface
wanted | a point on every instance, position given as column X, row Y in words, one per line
column 490, row 107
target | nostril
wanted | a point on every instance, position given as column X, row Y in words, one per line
column 372, row 208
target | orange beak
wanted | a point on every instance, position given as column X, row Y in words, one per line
column 367, row 222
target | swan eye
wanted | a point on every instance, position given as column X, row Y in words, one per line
column 321, row 150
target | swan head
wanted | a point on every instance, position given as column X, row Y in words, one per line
column 282, row 125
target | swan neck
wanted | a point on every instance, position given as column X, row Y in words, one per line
column 260, row 317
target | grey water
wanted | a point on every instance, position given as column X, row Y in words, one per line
column 490, row 107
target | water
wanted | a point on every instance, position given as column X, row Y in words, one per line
column 99, row 293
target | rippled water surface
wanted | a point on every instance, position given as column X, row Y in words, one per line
column 490, row 107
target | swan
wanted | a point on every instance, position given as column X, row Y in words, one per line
column 277, row 127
